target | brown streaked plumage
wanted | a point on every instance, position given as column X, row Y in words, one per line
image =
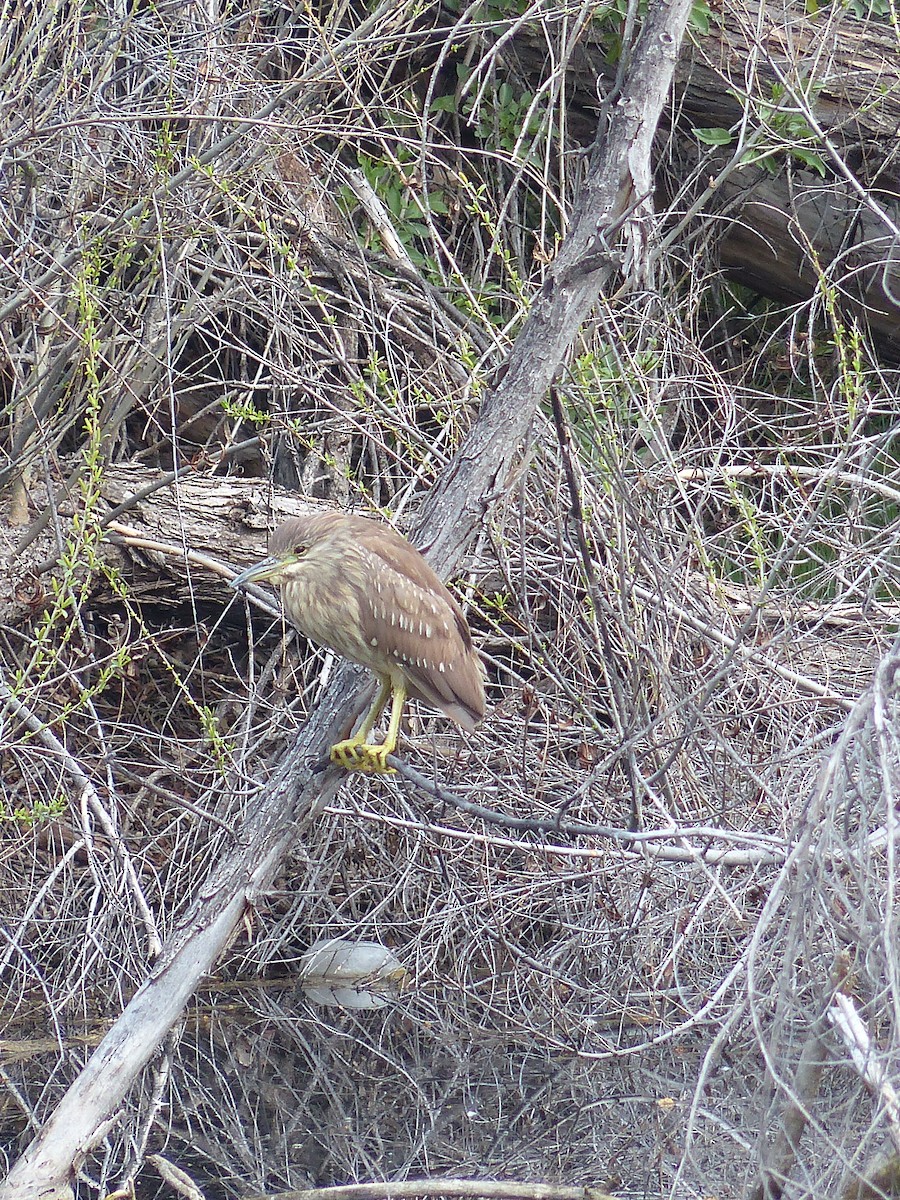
column 360, row 588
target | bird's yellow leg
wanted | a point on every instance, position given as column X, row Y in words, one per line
column 355, row 754
column 372, row 715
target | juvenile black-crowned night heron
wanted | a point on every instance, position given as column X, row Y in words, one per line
column 360, row 588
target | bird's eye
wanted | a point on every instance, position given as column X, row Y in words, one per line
column 300, row 549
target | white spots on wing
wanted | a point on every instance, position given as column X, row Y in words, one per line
column 422, row 663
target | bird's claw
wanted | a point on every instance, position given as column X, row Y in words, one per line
column 359, row 756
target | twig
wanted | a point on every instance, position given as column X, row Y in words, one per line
column 727, row 858
column 86, row 797
column 793, row 471
column 492, row 1189
column 378, row 214
column 846, row 1020
column 620, row 707
column 567, row 828
column 127, row 535
column 803, row 682
column 779, row 1162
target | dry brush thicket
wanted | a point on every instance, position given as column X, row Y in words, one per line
column 244, row 242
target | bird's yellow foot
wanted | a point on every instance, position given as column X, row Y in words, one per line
column 355, row 755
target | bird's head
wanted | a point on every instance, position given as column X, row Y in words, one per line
column 289, row 547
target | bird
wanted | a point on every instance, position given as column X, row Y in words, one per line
column 357, row 586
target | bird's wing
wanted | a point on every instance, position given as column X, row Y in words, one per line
column 419, row 626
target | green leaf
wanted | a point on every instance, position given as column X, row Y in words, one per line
column 753, row 158
column 714, row 136
column 814, row 161
column 700, row 16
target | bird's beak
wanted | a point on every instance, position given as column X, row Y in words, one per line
column 265, row 571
